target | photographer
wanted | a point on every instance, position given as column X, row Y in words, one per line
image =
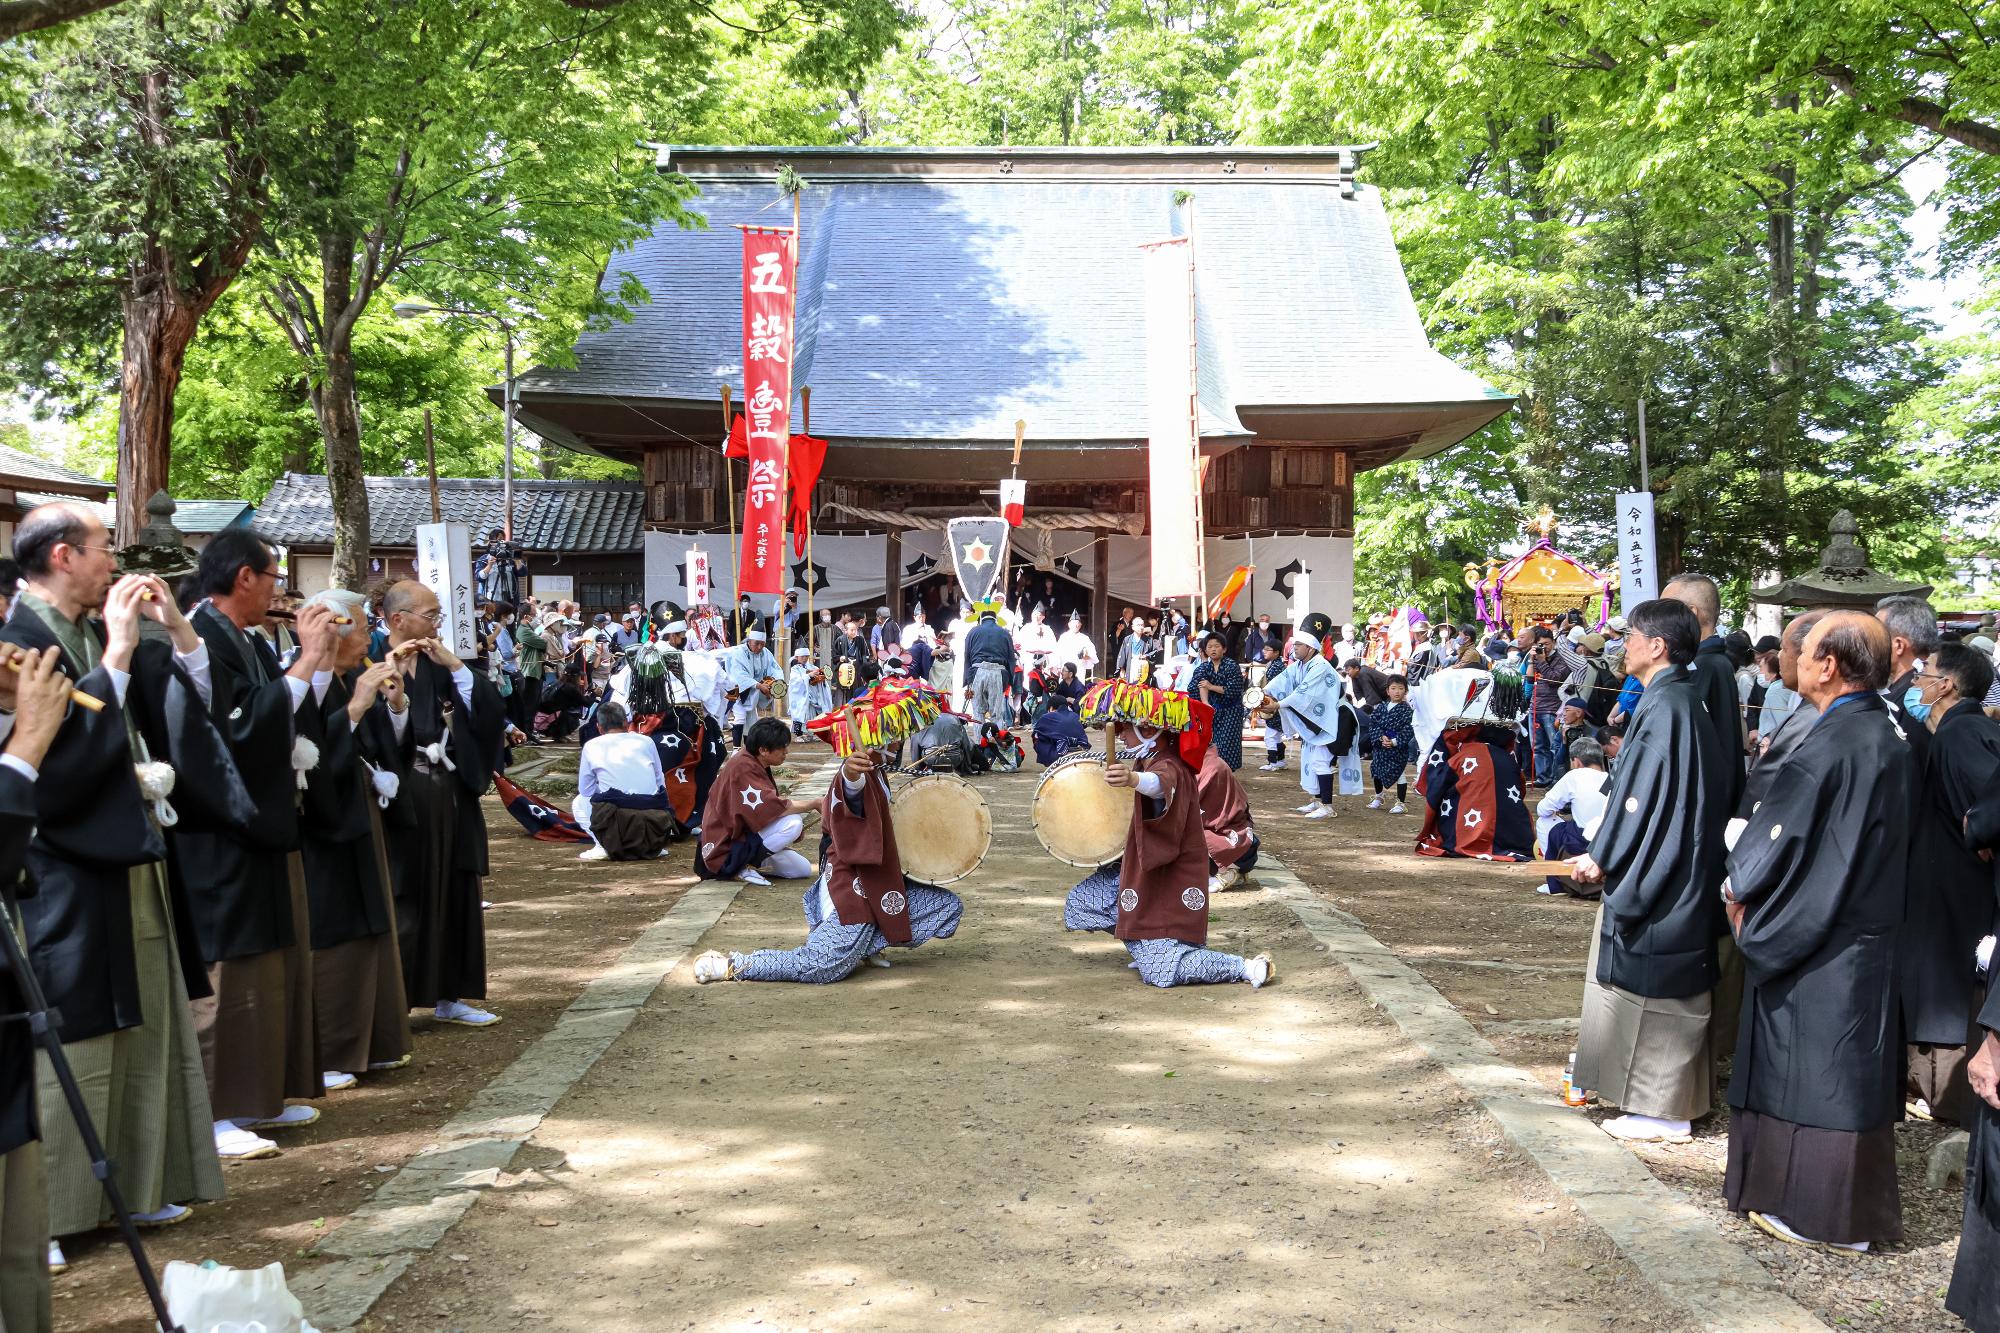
column 502, row 571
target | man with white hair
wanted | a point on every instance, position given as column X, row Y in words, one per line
column 361, row 1012
column 621, row 792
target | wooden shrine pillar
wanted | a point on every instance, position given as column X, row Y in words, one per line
column 892, row 572
column 1100, row 601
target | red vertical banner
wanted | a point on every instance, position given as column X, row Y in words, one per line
column 770, row 260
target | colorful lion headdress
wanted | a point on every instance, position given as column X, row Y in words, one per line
column 889, row 714
column 1110, row 701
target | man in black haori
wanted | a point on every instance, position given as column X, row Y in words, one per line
column 360, row 1011
column 248, row 887
column 1644, row 1042
column 1815, row 896
column 31, row 709
column 1956, row 749
column 448, row 735
column 110, row 934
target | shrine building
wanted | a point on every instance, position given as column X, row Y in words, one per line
column 944, row 293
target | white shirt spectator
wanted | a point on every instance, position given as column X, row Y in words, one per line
column 1577, row 795
column 623, row 761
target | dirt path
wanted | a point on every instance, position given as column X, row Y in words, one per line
column 1009, row 1130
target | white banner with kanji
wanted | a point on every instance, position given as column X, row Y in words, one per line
column 1638, row 557
column 1170, row 424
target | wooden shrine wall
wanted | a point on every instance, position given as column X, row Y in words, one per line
column 1260, row 488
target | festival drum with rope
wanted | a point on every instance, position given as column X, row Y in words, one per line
column 1080, row 818
column 943, row 829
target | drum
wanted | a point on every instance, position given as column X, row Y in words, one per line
column 1081, row 819
column 942, row 827
column 1253, row 699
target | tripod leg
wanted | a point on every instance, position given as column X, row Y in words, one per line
column 42, row 1026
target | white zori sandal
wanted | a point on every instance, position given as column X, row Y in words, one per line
column 713, row 966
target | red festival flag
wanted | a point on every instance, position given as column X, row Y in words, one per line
column 1013, row 499
column 770, row 258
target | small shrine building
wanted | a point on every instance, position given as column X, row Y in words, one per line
column 944, row 293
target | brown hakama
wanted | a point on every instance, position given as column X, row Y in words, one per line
column 258, row 1038
column 1641, row 1054
column 1826, row 1184
column 359, row 1005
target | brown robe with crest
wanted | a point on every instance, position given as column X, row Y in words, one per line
column 743, row 802
column 1225, row 811
column 864, row 873
column 1163, row 881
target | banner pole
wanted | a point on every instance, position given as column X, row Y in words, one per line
column 812, row 618
column 729, row 503
column 1194, row 436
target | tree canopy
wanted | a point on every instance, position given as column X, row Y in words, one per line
column 1702, row 205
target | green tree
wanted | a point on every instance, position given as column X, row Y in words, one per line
column 139, row 189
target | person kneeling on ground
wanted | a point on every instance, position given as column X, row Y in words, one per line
column 861, row 903
column 1226, row 824
column 621, row 792
column 746, row 823
column 1154, row 897
column 1569, row 814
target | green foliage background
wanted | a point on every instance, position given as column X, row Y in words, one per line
column 1703, row 204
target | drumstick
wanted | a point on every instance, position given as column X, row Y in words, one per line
column 88, row 702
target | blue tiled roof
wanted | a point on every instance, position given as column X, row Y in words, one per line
column 596, row 517
column 942, row 308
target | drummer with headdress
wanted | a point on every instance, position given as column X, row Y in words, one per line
column 862, row 903
column 1155, row 897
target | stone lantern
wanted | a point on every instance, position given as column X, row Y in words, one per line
column 160, row 547
column 1843, row 581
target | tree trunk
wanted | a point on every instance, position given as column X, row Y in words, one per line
column 158, row 328
column 339, row 412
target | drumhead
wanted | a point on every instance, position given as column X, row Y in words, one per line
column 943, row 827
column 1080, row 819
column 1253, row 699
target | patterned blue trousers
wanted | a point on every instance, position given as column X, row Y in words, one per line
column 832, row 951
column 1093, row 905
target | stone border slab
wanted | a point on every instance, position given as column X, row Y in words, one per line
column 1670, row 1241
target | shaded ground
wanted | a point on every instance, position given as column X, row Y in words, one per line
column 1009, row 1130
column 555, row 923
column 1511, row 961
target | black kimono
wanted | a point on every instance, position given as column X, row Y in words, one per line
column 237, row 880
column 93, row 828
column 17, row 1047
column 1715, row 682
column 1950, row 905
column 1974, row 1295
column 1660, row 846
column 24, row 1205
column 439, row 856
column 1818, row 1082
column 343, row 880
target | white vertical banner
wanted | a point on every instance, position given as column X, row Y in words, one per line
column 1171, row 444
column 1638, row 556
column 698, row 589
column 1302, row 596
column 444, row 565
